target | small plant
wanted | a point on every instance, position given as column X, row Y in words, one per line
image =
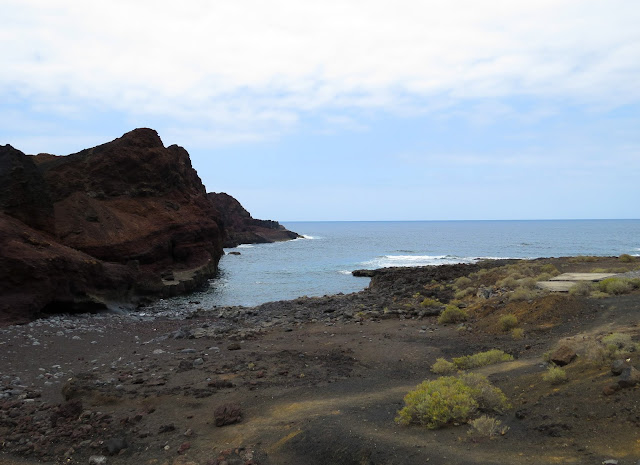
column 582, row 288
column 615, row 286
column 507, row 322
column 555, row 375
column 449, row 399
column 507, row 283
column 443, row 367
column 544, row 277
column 487, row 427
column 517, row 333
column 481, row 359
column 464, row 293
column 523, row 293
column 427, row 302
column 452, row 314
column 583, row 259
column 461, row 283
column 619, row 345
column 626, row 258
column 549, row 268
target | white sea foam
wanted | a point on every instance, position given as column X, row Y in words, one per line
column 305, row 236
column 421, row 260
column 245, row 246
column 344, row 272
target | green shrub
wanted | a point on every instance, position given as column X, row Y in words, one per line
column 450, row 399
column 452, row 314
column 507, row 322
column 443, row 367
column 549, row 268
column 582, row 288
column 527, row 283
column 522, row 293
column 544, row 277
column 461, row 283
column 487, row 427
column 555, row 375
column 517, row 333
column 507, row 283
column 481, row 359
column 489, row 397
column 619, row 345
column 583, row 259
column 464, row 293
column 626, row 258
column 615, row 286
column 427, row 302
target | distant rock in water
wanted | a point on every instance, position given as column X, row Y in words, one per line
column 124, row 219
column 241, row 228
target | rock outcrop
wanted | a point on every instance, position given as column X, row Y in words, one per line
column 123, row 219
column 241, row 228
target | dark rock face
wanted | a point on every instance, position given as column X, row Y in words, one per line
column 23, row 192
column 133, row 199
column 241, row 228
column 104, row 224
column 563, row 355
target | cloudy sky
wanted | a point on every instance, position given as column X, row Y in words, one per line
column 347, row 110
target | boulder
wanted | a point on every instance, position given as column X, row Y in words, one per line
column 629, row 377
column 563, row 355
column 227, row 414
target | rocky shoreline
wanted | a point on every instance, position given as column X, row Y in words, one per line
column 315, row 380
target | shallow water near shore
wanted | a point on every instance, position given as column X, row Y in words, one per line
column 321, row 262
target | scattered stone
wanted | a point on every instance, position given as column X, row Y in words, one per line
column 629, row 377
column 158, row 352
column 220, row 383
column 233, row 253
column 184, row 447
column 564, row 355
column 610, row 462
column 97, row 460
column 114, row 445
column 617, row 366
column 198, row 362
column 234, row 346
column 166, row 428
column 610, row 389
column 227, row 414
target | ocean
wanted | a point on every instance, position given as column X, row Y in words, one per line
column 322, row 261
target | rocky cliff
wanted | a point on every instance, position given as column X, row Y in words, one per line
column 129, row 217
column 241, row 228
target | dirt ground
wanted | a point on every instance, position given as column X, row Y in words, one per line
column 321, row 390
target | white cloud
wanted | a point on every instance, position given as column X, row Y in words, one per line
column 250, row 62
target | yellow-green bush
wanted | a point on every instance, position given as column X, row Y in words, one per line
column 626, row 258
column 507, row 322
column 481, row 359
column 450, row 399
column 464, row 293
column 486, row 426
column 549, row 268
column 517, row 333
column 452, row 314
column 615, row 286
column 427, row 302
column 523, row 293
column 461, row 283
column 443, row 367
column 619, row 345
column 555, row 375
column 582, row 288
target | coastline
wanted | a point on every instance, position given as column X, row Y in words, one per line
column 317, row 367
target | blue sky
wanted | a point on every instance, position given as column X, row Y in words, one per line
column 347, row 110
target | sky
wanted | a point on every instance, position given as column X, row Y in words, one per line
column 347, row 110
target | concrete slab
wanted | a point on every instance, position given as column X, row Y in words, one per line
column 594, row 277
column 556, row 286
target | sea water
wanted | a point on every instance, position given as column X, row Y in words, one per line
column 322, row 261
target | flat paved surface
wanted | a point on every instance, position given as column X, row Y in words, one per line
column 583, row 276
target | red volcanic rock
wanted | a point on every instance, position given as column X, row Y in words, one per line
column 38, row 275
column 104, row 223
column 241, row 228
column 134, row 199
